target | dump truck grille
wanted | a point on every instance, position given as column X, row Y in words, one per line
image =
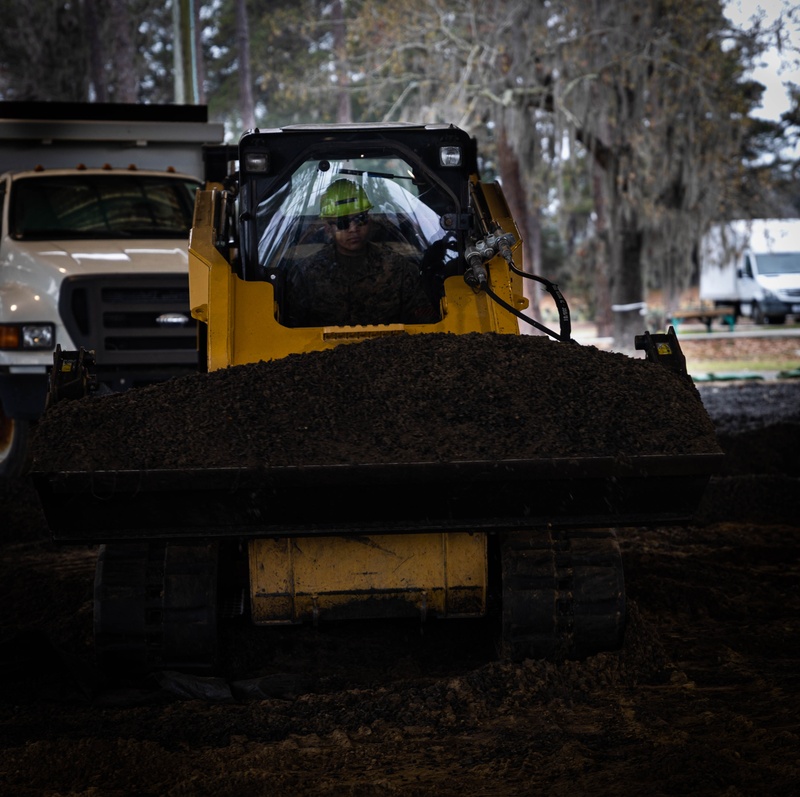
column 139, row 325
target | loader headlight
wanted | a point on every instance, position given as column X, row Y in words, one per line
column 450, row 156
column 27, row 337
column 256, row 161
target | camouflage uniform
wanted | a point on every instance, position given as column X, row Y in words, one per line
column 374, row 287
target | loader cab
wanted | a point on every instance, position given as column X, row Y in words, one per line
column 416, row 179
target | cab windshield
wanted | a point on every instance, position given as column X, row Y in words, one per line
column 391, row 213
column 404, row 212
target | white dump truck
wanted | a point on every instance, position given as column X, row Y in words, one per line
column 97, row 203
column 753, row 266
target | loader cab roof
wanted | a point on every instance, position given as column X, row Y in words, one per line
column 266, row 155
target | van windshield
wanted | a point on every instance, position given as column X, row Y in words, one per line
column 83, row 206
column 781, row 263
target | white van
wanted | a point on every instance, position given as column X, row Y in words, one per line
column 754, row 267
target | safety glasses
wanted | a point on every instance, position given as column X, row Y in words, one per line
column 359, row 219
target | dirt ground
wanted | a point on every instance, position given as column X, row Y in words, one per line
column 702, row 699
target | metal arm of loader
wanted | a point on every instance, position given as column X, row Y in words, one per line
column 496, row 242
column 70, row 377
column 663, row 348
column 477, row 277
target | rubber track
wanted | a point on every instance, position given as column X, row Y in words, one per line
column 155, row 608
column 563, row 594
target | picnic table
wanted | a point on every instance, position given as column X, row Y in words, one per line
column 706, row 315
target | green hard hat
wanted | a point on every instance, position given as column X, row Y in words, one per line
column 343, row 198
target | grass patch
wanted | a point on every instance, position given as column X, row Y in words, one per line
column 697, row 366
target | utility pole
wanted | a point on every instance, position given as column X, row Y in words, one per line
column 184, row 52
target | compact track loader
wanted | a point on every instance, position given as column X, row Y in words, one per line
column 182, row 549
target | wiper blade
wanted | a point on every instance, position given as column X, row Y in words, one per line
column 386, row 175
column 154, row 232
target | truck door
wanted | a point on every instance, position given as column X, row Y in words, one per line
column 746, row 284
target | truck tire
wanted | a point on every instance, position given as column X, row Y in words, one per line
column 155, row 608
column 563, row 594
column 14, row 440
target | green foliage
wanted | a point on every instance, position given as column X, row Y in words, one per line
column 43, row 51
column 292, row 59
column 628, row 125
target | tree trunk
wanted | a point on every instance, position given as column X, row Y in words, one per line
column 344, row 108
column 246, row 105
column 97, row 52
column 123, row 53
column 603, row 316
column 199, row 61
column 627, row 284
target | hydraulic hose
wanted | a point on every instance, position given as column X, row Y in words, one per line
column 495, row 242
column 477, row 277
column 565, row 329
column 564, row 319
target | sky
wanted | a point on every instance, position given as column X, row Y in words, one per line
column 773, row 73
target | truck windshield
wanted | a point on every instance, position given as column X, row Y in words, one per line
column 82, row 206
column 781, row 263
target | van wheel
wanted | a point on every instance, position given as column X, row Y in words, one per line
column 760, row 317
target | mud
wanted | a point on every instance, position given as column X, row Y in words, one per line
column 702, row 698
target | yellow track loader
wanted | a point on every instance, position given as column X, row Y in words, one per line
column 182, row 549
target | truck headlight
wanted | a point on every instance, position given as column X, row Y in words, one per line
column 38, row 336
column 27, row 337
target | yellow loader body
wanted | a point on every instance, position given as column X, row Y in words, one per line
column 299, row 579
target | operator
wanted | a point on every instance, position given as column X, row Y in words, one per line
column 353, row 280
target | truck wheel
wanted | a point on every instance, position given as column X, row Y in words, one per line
column 14, row 439
column 155, row 608
column 563, row 594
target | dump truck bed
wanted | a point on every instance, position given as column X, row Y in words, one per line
column 502, row 495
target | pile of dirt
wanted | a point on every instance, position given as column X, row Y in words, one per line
column 702, row 699
column 758, row 429
column 400, row 398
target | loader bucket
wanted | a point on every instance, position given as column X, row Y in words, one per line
column 498, row 496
